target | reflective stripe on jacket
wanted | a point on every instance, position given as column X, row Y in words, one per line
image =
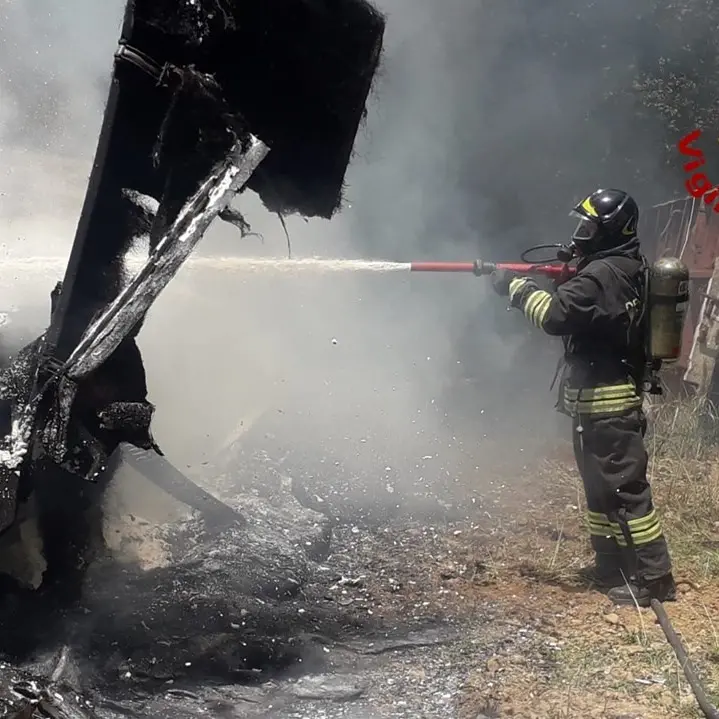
column 609, row 400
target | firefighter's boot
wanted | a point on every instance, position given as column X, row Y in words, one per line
column 634, row 591
column 605, row 573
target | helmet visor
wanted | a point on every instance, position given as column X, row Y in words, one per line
column 586, row 229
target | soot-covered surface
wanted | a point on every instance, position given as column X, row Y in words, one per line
column 298, row 71
column 276, row 619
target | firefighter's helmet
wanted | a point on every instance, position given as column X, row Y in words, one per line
column 606, row 219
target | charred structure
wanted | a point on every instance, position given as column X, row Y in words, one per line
column 201, row 91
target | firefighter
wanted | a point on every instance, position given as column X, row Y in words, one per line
column 598, row 314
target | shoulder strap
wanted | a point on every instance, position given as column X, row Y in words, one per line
column 637, row 332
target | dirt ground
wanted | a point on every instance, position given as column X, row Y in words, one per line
column 583, row 657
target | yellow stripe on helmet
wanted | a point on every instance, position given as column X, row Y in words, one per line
column 589, row 208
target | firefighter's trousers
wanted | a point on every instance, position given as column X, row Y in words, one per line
column 623, row 523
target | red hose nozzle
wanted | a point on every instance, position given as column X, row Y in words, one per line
column 557, row 272
column 478, row 267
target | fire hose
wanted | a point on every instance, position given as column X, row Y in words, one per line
column 709, row 711
column 555, row 269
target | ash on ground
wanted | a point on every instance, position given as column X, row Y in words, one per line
column 296, row 613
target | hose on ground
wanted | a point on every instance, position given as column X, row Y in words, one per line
column 710, row 711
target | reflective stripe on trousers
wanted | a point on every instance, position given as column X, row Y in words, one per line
column 642, row 530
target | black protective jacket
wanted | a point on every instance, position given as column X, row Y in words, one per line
column 598, row 312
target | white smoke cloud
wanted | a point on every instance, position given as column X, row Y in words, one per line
column 444, row 168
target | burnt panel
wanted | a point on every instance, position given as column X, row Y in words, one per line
column 296, row 73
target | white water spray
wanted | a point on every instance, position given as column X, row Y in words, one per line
column 54, row 265
column 315, row 264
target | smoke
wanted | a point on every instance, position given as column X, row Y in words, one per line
column 488, row 121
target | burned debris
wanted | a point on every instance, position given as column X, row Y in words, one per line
column 208, row 98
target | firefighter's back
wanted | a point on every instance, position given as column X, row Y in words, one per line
column 606, row 351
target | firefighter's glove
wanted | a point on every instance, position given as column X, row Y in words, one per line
column 501, row 280
column 507, row 284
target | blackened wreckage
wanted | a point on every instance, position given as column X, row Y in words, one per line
column 208, row 98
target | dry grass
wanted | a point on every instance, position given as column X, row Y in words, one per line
column 684, row 471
